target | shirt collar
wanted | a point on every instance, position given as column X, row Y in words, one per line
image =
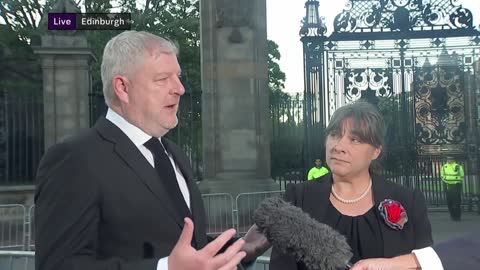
column 135, row 134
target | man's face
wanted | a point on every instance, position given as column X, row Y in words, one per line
column 318, row 163
column 154, row 92
column 347, row 155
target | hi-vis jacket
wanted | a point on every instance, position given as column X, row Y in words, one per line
column 452, row 173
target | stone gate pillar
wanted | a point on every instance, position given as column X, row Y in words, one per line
column 235, row 106
column 66, row 61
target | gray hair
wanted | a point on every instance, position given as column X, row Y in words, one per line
column 367, row 123
column 124, row 53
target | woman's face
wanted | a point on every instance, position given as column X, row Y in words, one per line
column 347, row 155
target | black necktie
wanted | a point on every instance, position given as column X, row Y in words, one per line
column 164, row 169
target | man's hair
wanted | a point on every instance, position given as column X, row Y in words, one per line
column 125, row 52
column 366, row 121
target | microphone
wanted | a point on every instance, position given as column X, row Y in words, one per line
column 294, row 232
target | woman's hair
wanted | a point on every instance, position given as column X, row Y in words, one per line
column 366, row 122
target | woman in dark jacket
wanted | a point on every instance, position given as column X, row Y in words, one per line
column 379, row 218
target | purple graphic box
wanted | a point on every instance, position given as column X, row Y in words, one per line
column 61, row 21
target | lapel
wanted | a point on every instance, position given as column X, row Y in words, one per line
column 196, row 202
column 392, row 240
column 134, row 159
column 318, row 194
column 184, row 166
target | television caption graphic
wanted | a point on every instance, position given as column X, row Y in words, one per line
column 89, row 21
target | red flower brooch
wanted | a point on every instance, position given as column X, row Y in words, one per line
column 393, row 214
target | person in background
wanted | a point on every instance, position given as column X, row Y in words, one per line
column 379, row 218
column 317, row 171
column 452, row 175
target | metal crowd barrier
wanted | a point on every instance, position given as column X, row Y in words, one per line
column 219, row 212
column 262, row 263
column 223, row 214
column 17, row 260
column 246, row 204
column 31, row 228
column 12, row 227
column 17, row 224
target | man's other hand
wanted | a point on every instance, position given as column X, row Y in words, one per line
column 185, row 257
column 404, row 262
column 255, row 244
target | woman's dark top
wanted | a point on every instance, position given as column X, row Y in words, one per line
column 362, row 232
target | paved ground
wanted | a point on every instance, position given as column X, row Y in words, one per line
column 444, row 228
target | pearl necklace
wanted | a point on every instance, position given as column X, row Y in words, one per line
column 353, row 200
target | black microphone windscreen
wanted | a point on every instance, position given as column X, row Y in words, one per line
column 294, row 232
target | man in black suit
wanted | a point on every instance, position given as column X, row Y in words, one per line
column 457, row 253
column 118, row 195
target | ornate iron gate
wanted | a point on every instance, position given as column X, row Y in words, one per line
column 413, row 59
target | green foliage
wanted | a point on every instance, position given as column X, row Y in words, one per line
column 20, row 70
column 22, row 17
column 287, row 133
column 19, row 66
column 176, row 20
column 276, row 77
column 286, row 115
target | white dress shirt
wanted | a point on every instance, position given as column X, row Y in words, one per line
column 428, row 259
column 138, row 137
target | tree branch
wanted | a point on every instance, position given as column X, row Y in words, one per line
column 38, row 7
column 5, row 17
column 30, row 14
column 21, row 22
column 147, row 6
column 161, row 4
column 25, row 17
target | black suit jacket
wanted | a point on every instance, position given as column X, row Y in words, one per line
column 100, row 205
column 313, row 198
column 460, row 253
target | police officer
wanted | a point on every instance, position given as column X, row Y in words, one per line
column 317, row 171
column 452, row 175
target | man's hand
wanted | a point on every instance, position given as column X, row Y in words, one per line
column 255, row 243
column 373, row 264
column 404, row 262
column 185, row 257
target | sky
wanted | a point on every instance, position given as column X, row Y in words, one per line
column 283, row 25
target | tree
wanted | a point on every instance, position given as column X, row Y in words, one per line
column 164, row 18
column 276, row 77
column 17, row 62
column 23, row 17
column 285, row 113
